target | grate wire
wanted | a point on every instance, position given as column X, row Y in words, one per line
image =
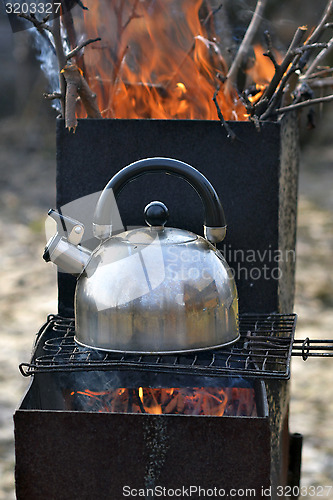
column 263, row 351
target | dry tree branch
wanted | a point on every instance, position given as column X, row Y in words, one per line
column 303, row 104
column 306, row 47
column 322, row 23
column 39, row 25
column 71, row 80
column 319, row 84
column 54, row 30
column 287, row 74
column 211, row 14
column 116, row 70
column 119, row 52
column 323, row 71
column 322, row 54
column 68, row 24
column 77, row 49
column 288, row 59
column 133, row 15
column 261, row 106
column 246, row 42
column 270, row 52
column 321, row 27
column 76, row 86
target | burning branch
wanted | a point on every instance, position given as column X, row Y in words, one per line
column 179, row 80
column 287, row 84
column 268, row 99
column 230, row 133
column 246, row 43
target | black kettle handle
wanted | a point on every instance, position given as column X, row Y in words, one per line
column 214, row 224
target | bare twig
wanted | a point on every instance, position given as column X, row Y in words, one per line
column 319, row 84
column 303, row 104
column 72, row 82
column 211, row 14
column 324, row 71
column 321, row 27
column 291, row 72
column 133, row 15
column 260, row 107
column 39, row 25
column 322, row 54
column 230, row 133
column 322, row 23
column 270, row 52
column 115, row 77
column 77, row 49
column 247, row 40
column 306, row 47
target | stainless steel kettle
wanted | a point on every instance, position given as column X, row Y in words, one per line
column 154, row 289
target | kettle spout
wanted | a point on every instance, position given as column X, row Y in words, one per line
column 64, row 248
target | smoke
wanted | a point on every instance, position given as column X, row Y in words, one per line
column 48, row 61
column 46, row 55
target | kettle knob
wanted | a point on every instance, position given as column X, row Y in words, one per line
column 156, row 213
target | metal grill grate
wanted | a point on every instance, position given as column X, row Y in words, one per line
column 263, row 350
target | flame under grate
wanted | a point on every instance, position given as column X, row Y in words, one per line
column 263, row 350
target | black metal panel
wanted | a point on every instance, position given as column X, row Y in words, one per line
column 67, row 455
column 245, row 173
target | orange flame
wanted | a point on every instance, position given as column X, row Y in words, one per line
column 186, row 401
column 157, row 59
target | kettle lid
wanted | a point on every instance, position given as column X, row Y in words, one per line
column 156, row 215
column 156, row 236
